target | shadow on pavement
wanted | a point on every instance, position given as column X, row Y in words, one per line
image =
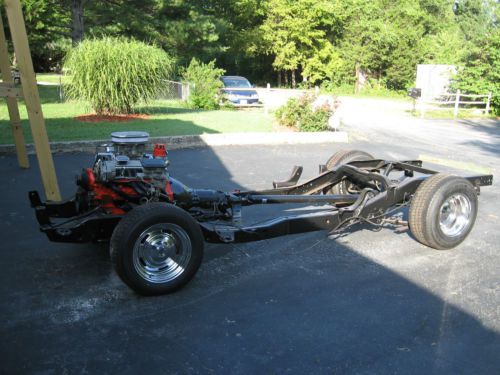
column 491, row 128
column 297, row 304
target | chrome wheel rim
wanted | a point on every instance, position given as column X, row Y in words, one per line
column 162, row 253
column 455, row 215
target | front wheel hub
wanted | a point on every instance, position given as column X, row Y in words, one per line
column 162, row 252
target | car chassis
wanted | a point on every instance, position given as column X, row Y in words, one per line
column 370, row 193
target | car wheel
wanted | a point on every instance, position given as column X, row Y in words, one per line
column 345, row 157
column 156, row 248
column 443, row 211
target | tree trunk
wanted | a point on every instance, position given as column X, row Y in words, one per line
column 356, row 74
column 294, row 83
column 279, row 78
column 77, row 8
column 286, row 78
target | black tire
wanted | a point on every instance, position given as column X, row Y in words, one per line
column 443, row 211
column 156, row 248
column 344, row 157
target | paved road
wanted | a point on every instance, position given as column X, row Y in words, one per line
column 389, row 123
column 366, row 303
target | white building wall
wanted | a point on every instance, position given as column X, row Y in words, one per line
column 434, row 79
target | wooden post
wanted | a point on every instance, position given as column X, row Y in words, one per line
column 61, row 93
column 268, row 96
column 487, row 109
column 32, row 99
column 457, row 102
column 12, row 105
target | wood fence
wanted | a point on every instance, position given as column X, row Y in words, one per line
column 444, row 101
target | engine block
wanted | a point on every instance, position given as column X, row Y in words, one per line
column 125, row 158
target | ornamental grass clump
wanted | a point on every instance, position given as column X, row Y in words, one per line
column 114, row 74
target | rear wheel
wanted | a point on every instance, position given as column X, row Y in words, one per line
column 345, row 157
column 156, row 248
column 443, row 211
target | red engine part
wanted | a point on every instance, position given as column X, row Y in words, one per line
column 169, row 191
column 105, row 196
column 159, row 151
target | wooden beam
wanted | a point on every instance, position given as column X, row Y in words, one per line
column 9, row 90
column 32, row 99
column 12, row 104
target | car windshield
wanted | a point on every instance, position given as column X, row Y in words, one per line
column 236, row 83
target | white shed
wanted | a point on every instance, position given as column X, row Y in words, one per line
column 434, row 80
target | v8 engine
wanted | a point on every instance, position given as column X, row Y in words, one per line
column 123, row 172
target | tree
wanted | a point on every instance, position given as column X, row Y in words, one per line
column 53, row 25
column 190, row 31
column 318, row 39
column 475, row 17
column 48, row 32
column 297, row 34
column 387, row 39
column 77, row 25
column 480, row 72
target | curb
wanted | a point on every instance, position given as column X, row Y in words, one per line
column 193, row 141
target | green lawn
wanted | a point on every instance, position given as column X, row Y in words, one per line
column 372, row 93
column 463, row 113
column 51, row 78
column 167, row 118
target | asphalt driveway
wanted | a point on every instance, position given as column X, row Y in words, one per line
column 369, row 302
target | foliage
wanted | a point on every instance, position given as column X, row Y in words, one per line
column 481, row 73
column 204, row 84
column 474, row 18
column 289, row 114
column 114, row 74
column 387, row 39
column 373, row 88
column 314, row 120
column 47, row 33
column 310, row 40
column 296, row 34
column 303, row 114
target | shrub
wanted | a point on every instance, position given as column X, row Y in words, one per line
column 307, row 113
column 204, row 84
column 289, row 114
column 114, row 74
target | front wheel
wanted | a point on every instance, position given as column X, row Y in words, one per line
column 443, row 211
column 345, row 157
column 156, row 248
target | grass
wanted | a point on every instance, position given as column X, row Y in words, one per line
column 449, row 114
column 167, row 118
column 368, row 92
column 51, row 78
